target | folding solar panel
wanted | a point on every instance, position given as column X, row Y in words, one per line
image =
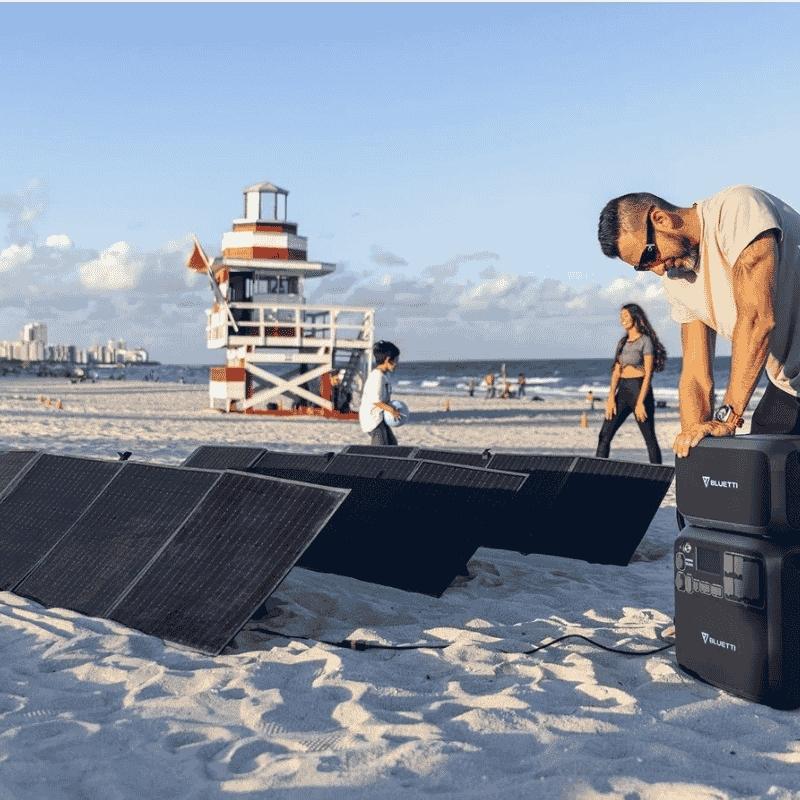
column 116, row 538
column 396, row 451
column 42, row 506
column 523, row 462
column 211, row 456
column 315, row 462
column 386, row 533
column 230, row 555
column 455, row 457
column 372, row 467
column 12, row 465
column 624, row 494
column 472, row 477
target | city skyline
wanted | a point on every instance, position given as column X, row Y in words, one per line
column 33, row 346
column 451, row 159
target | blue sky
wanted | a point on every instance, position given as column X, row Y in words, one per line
column 452, row 159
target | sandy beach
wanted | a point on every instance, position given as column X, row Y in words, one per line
column 91, row 709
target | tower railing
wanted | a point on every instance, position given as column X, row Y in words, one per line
column 291, row 326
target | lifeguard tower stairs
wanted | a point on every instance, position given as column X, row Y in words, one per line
column 283, row 357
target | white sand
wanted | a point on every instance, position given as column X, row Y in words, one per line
column 90, row 709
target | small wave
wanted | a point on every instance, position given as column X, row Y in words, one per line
column 429, row 384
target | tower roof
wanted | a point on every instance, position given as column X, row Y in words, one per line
column 266, row 186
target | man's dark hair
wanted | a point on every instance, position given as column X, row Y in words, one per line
column 629, row 208
column 382, row 350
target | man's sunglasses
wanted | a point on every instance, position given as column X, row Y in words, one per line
column 650, row 253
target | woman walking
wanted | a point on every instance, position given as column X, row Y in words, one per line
column 639, row 354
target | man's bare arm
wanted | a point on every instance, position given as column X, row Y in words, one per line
column 696, row 386
column 753, row 285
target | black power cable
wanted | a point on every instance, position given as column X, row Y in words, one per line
column 360, row 644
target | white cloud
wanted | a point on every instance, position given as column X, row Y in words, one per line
column 117, row 267
column 386, row 259
column 58, row 241
column 15, row 255
column 23, row 208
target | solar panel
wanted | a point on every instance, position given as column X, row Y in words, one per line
column 372, row 467
column 395, row 451
column 41, row 508
column 518, row 462
column 626, row 494
column 116, row 538
column 231, row 554
column 212, row 456
column 12, row 463
column 316, row 462
column 472, row 477
column 455, row 457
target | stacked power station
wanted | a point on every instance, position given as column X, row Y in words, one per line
column 737, row 566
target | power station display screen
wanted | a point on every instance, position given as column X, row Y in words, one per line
column 709, row 561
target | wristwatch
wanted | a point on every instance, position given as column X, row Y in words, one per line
column 727, row 415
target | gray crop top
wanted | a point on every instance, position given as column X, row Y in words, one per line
column 633, row 353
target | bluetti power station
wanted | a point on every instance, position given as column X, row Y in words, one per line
column 737, row 566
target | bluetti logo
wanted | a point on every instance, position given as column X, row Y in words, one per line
column 717, row 643
column 707, row 481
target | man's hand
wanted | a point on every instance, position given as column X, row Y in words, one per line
column 690, row 437
column 639, row 412
column 611, row 408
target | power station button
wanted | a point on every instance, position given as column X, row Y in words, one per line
column 680, row 561
column 680, row 581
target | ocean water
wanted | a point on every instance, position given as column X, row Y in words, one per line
column 548, row 378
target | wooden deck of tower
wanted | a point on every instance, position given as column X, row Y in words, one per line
column 283, row 357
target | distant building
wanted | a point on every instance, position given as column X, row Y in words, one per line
column 33, row 346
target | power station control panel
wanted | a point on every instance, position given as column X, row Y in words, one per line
column 719, row 573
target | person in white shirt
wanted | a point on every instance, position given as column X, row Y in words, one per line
column 729, row 265
column 377, row 393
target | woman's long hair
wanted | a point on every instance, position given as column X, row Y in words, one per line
column 644, row 327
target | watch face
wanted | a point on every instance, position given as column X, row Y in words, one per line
column 723, row 412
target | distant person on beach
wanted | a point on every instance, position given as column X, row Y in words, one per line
column 471, row 387
column 490, row 387
column 590, row 399
column 506, row 393
column 377, row 393
column 639, row 354
column 729, row 265
column 521, row 383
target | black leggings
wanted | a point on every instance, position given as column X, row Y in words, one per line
column 627, row 395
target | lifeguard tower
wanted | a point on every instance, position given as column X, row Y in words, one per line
column 283, row 357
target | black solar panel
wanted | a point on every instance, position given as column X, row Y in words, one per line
column 399, row 469
column 516, row 462
column 117, row 537
column 625, row 493
column 309, row 461
column 472, row 477
column 232, row 553
column 455, row 457
column 394, row 451
column 211, row 456
column 624, row 469
column 12, row 463
column 42, row 507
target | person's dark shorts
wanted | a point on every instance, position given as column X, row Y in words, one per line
column 777, row 412
column 382, row 435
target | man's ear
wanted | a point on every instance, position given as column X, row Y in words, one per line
column 664, row 220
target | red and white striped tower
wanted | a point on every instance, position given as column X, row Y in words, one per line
column 283, row 356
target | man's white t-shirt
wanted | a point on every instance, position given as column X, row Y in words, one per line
column 377, row 389
column 729, row 221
